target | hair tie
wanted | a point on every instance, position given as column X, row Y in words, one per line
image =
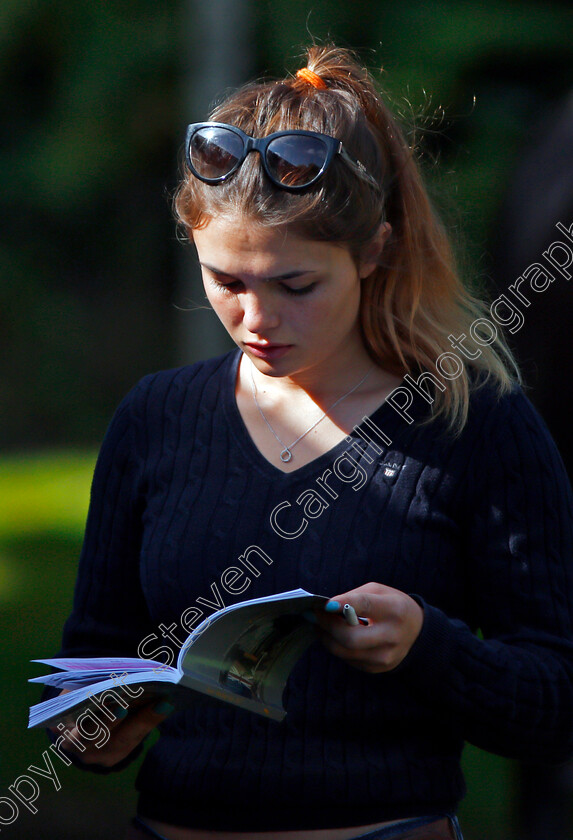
column 312, row 78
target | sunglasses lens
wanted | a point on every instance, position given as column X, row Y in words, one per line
column 215, row 152
column 296, row 161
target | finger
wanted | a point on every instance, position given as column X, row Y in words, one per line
column 374, row 661
column 138, row 725
column 367, row 600
column 123, row 735
column 331, row 629
column 113, row 716
column 360, row 635
column 356, row 658
column 76, row 741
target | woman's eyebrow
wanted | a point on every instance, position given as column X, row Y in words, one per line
column 290, row 275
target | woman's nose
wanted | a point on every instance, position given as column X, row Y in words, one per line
column 259, row 313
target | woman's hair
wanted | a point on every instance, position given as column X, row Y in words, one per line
column 414, row 299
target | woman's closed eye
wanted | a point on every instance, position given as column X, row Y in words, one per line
column 233, row 287
column 303, row 290
column 236, row 286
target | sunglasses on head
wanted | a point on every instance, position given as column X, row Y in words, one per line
column 293, row 160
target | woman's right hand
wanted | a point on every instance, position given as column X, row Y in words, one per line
column 124, row 733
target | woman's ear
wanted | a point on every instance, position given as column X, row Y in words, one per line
column 370, row 258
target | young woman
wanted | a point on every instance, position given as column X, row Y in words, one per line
column 367, row 439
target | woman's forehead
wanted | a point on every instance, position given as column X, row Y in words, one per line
column 227, row 245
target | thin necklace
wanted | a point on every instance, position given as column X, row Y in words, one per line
column 286, row 453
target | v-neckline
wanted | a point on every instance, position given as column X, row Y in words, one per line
column 383, row 417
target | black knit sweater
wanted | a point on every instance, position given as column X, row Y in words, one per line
column 479, row 529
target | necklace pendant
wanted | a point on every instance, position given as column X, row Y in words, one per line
column 286, row 454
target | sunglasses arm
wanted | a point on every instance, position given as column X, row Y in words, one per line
column 355, row 164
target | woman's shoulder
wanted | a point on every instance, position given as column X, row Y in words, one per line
column 504, row 425
column 501, row 423
column 186, row 375
column 186, row 380
column 498, row 406
column 174, row 392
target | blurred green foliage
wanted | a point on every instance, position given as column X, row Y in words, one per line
column 87, row 148
column 92, row 115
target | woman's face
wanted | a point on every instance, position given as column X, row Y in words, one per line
column 290, row 304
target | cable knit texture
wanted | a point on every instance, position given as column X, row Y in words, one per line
column 478, row 529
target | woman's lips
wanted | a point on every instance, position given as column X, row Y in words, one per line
column 268, row 351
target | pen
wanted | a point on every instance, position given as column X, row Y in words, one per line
column 349, row 615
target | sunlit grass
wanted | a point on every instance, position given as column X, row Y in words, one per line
column 46, row 492
column 39, row 494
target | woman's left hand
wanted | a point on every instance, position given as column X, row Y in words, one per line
column 394, row 623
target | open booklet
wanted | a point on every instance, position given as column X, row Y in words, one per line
column 242, row 654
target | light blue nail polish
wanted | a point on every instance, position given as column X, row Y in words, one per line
column 163, row 708
column 310, row 616
column 332, row 606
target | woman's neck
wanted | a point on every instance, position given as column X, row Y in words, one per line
column 323, row 383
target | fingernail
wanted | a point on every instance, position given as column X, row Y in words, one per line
column 310, row 616
column 163, row 708
column 332, row 606
column 120, row 713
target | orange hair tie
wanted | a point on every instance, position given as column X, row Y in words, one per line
column 312, row 78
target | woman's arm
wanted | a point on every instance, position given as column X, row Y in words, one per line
column 110, row 616
column 509, row 690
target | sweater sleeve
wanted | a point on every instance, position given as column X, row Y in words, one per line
column 109, row 615
column 510, row 688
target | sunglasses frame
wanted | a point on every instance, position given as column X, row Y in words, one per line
column 333, row 147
